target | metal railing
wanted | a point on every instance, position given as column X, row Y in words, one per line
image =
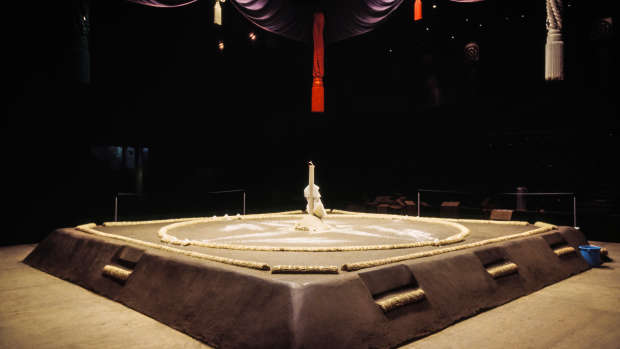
column 116, row 202
column 233, row 191
column 117, row 195
column 574, row 197
column 554, row 194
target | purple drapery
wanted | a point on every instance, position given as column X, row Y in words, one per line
column 293, row 18
column 289, row 18
column 163, row 3
column 355, row 17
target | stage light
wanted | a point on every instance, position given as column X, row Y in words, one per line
column 467, row 20
column 434, row 5
column 428, row 29
column 220, row 45
column 452, row 37
column 252, row 36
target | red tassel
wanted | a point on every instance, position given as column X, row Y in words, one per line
column 417, row 10
column 318, row 96
column 318, row 92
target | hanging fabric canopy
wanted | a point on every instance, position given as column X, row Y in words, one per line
column 316, row 22
column 293, row 18
column 305, row 21
column 163, row 3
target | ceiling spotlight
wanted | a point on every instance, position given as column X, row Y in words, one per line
column 428, row 29
column 434, row 5
column 252, row 36
column 220, row 45
column 452, row 36
column 466, row 19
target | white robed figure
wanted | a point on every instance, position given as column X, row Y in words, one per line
column 314, row 206
column 313, row 221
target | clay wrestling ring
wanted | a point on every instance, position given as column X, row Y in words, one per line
column 361, row 281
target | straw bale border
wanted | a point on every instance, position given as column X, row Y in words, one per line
column 164, row 236
column 398, row 300
column 542, row 228
column 463, row 233
column 604, row 252
column 502, row 269
column 117, row 273
column 88, row 228
column 304, row 269
column 565, row 250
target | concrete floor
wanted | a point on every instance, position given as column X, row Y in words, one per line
column 38, row 310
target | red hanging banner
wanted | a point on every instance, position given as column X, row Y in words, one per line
column 417, row 10
column 318, row 69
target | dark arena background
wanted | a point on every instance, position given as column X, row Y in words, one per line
column 120, row 111
column 403, row 111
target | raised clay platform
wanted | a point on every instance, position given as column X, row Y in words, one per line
column 368, row 281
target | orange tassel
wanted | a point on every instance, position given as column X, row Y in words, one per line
column 318, row 96
column 417, row 10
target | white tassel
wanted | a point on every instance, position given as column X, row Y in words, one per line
column 554, row 48
column 217, row 13
column 554, row 56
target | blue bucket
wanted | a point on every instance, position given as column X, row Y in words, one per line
column 591, row 253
